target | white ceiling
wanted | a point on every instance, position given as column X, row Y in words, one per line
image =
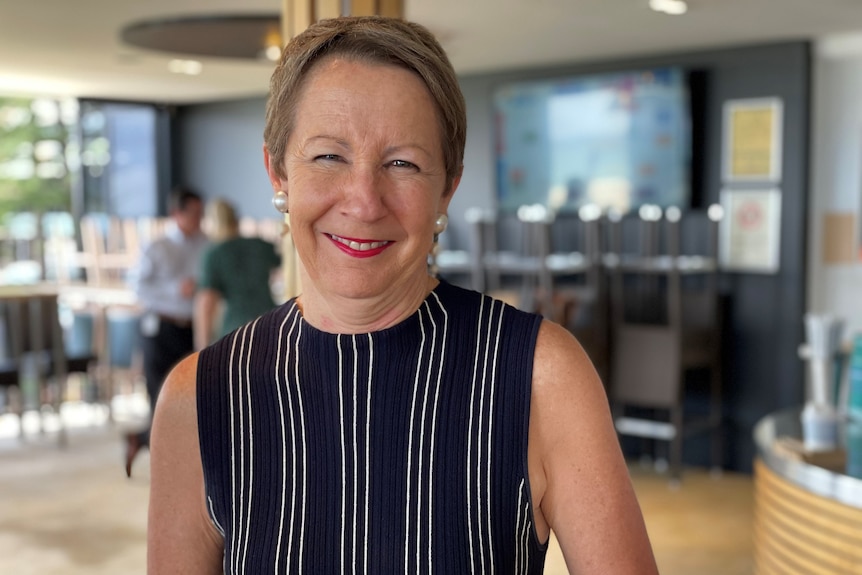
column 72, row 47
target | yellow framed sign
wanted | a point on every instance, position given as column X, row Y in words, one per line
column 752, row 140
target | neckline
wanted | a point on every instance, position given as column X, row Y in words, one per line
column 391, row 331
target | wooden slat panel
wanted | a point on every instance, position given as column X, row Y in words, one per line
column 840, row 512
column 363, row 8
column 327, row 9
column 796, row 531
column 822, row 526
column 296, row 16
column 392, row 8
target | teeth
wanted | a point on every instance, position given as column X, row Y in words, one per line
column 361, row 247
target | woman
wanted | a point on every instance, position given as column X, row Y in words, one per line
column 383, row 421
column 235, row 271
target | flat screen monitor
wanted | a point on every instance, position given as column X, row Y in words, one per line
column 618, row 140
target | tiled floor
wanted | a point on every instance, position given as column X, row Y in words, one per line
column 73, row 512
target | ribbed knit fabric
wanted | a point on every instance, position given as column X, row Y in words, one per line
column 398, row 451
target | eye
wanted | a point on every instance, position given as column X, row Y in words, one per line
column 328, row 158
column 403, row 164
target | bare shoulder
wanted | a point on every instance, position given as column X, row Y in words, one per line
column 579, row 482
column 568, row 402
column 556, row 350
column 180, row 388
column 180, row 533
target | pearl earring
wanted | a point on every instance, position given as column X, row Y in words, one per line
column 279, row 201
column 440, row 224
column 439, row 227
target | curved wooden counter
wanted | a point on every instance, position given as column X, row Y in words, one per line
column 807, row 519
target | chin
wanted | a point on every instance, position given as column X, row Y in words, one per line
column 353, row 285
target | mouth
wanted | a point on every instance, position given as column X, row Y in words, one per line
column 359, row 248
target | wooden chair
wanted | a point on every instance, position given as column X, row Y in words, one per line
column 487, row 266
column 81, row 343
column 571, row 287
column 665, row 321
column 508, row 256
column 34, row 346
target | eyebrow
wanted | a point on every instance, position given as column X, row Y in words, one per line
column 388, row 150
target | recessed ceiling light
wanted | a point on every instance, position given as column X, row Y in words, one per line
column 673, row 7
column 272, row 53
column 190, row 67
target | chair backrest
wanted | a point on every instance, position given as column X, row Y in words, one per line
column 662, row 304
column 32, row 326
column 483, row 239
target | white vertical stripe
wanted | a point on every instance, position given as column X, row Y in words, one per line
column 304, row 448
column 469, row 466
column 440, row 364
column 235, row 528
column 410, row 455
column 367, row 446
column 481, row 437
column 341, row 424
column 279, row 382
column 355, row 417
column 245, row 355
column 526, row 532
column 213, row 515
column 241, row 409
column 491, row 395
column 420, row 467
column 519, row 540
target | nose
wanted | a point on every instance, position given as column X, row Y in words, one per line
column 362, row 193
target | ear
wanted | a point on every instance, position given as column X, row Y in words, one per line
column 447, row 194
column 276, row 181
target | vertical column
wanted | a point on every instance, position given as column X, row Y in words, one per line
column 296, row 16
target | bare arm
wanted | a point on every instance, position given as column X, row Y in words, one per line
column 180, row 534
column 206, row 305
column 579, row 481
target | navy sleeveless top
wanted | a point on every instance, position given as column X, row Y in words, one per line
column 397, row 451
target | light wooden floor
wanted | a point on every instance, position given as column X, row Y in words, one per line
column 73, row 512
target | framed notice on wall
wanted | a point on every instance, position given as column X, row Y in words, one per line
column 750, row 230
column 752, row 140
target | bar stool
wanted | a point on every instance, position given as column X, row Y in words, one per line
column 665, row 321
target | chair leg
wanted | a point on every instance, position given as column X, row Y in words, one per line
column 676, row 418
column 19, row 409
column 715, row 417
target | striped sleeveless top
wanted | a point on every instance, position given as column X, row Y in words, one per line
column 397, row 451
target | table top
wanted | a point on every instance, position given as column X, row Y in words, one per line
column 111, row 294
column 829, row 483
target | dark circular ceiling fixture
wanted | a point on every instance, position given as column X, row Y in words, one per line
column 219, row 36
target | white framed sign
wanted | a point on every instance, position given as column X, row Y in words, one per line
column 752, row 140
column 751, row 230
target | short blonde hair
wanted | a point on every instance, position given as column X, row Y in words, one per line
column 373, row 39
column 222, row 221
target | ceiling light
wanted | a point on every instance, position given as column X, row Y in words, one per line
column 272, row 53
column 189, row 67
column 673, row 7
column 252, row 37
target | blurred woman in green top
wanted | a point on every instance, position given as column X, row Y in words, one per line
column 236, row 274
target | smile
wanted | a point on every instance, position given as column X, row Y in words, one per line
column 359, row 246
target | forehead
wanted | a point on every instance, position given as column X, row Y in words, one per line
column 375, row 98
column 355, row 72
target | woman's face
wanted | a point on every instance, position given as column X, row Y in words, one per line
column 365, row 178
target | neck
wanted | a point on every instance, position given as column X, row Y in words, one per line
column 339, row 314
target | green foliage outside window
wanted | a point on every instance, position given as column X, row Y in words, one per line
column 36, row 157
